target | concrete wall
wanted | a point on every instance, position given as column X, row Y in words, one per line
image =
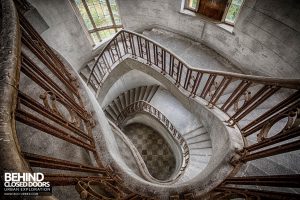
column 65, row 34
column 266, row 37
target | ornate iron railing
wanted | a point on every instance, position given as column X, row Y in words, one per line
column 245, row 94
column 41, row 95
column 252, row 103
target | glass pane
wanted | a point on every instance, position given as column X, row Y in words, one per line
column 115, row 11
column 237, row 2
column 193, row 4
column 106, row 33
column 95, row 38
column 232, row 13
column 100, row 17
column 99, row 12
column 84, row 14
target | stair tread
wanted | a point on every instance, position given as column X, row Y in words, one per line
column 196, row 132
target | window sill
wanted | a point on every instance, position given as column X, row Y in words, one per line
column 188, row 12
column 99, row 45
column 226, row 27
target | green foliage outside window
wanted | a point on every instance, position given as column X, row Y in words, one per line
column 99, row 11
column 233, row 11
column 193, row 4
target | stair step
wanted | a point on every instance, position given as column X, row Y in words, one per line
column 253, row 170
column 131, row 96
column 114, row 109
column 199, row 158
column 224, row 97
column 142, row 92
column 137, row 92
column 147, row 93
column 200, row 145
column 90, row 65
column 271, row 168
column 230, row 88
column 152, row 92
column 85, row 73
column 198, row 138
column 118, row 105
column 127, row 98
column 201, row 151
column 194, row 133
column 290, row 160
column 110, row 113
column 122, row 101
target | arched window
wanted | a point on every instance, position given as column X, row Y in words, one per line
column 221, row 10
column 100, row 17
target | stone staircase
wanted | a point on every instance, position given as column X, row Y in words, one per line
column 280, row 164
column 194, row 133
column 194, row 53
column 143, row 93
column 86, row 70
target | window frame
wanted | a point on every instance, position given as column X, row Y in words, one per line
column 223, row 20
column 226, row 12
column 95, row 29
column 186, row 6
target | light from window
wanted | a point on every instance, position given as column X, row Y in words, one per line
column 193, row 4
column 233, row 11
column 101, row 18
column 220, row 10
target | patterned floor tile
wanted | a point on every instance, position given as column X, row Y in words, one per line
column 154, row 150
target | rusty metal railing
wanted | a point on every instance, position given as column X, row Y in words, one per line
column 42, row 95
column 254, row 104
column 239, row 96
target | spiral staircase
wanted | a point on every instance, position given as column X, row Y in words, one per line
column 232, row 136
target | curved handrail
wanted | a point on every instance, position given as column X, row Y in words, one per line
column 9, row 79
column 281, row 82
column 16, row 34
column 253, row 103
column 209, row 85
column 144, row 107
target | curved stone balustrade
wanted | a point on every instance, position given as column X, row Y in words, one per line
column 238, row 96
column 250, row 102
column 42, row 107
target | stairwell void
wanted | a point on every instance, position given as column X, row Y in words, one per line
column 224, row 134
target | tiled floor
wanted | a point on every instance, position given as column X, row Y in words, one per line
column 127, row 156
column 154, row 150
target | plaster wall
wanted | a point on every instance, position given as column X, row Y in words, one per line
column 265, row 40
column 65, row 34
